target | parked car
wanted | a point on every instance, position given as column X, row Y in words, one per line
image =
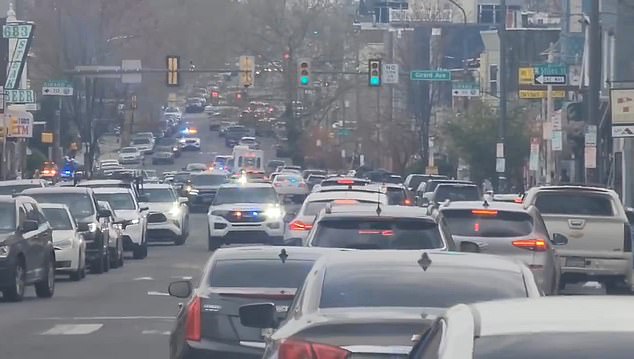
column 69, row 244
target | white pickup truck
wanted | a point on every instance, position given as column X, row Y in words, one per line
column 592, row 232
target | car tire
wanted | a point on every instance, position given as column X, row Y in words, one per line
column 75, row 276
column 214, row 243
column 113, row 259
column 45, row 288
column 140, row 251
column 15, row 293
column 180, row 240
column 106, row 262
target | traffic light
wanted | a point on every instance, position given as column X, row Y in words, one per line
column 247, row 71
column 215, row 94
column 374, row 73
column 303, row 72
column 173, row 66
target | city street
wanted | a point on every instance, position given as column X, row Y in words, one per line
column 125, row 313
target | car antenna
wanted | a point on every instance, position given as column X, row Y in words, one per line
column 378, row 202
column 485, row 204
column 424, row 261
column 283, row 255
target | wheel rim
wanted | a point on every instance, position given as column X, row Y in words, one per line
column 19, row 280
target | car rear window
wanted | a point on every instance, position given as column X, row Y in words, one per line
column 262, row 273
column 488, row 223
column 456, row 193
column 313, row 208
column 376, row 285
column 396, row 196
column 384, row 233
column 603, row 345
column 589, row 204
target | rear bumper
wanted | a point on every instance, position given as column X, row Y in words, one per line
column 209, row 349
column 619, row 268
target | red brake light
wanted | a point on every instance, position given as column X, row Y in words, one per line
column 193, row 322
column 345, row 201
column 518, row 200
column 300, row 226
column 295, row 349
column 407, row 202
column 484, row 212
column 537, row 245
column 345, row 181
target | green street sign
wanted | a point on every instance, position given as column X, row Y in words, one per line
column 551, row 70
column 430, row 75
column 17, row 31
column 57, row 83
column 344, row 132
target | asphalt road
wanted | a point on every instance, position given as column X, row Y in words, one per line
column 125, row 313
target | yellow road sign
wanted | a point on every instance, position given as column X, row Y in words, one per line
column 539, row 94
column 526, row 75
column 47, row 137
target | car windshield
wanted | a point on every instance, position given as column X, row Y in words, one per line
column 377, row 233
column 456, row 193
column 398, row 285
column 182, row 177
column 263, row 273
column 118, row 201
column 208, row 180
column 245, row 195
column 9, row 190
column 313, row 208
column 159, row 195
column 574, row 203
column 247, row 140
column 141, row 141
column 58, row 218
column 7, row 216
column 129, row 150
column 416, row 180
column 571, row 345
column 79, row 204
column 488, row 223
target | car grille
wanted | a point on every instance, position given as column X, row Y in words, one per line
column 156, row 218
column 246, row 217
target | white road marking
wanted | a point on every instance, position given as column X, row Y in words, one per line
column 158, row 293
column 144, row 278
column 73, row 329
column 138, row 317
column 160, row 332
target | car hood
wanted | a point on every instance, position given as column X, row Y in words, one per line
column 127, row 214
column 242, row 206
column 63, row 234
column 386, row 330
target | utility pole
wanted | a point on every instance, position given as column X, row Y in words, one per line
column 500, row 159
column 594, row 88
column 550, row 161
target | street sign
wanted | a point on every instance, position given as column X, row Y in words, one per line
column 539, row 94
column 19, row 123
column 131, row 65
column 430, row 75
column 622, row 109
column 344, row 132
column 465, row 89
column 20, row 96
column 57, row 88
column 16, row 64
column 556, row 142
column 17, row 31
column 526, row 76
column 390, row 73
column 550, row 74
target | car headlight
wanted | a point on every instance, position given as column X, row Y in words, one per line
column 274, row 213
column 175, row 149
column 175, row 211
column 92, row 227
column 4, row 251
column 182, row 140
column 135, row 221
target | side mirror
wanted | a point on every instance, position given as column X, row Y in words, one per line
column 104, row 213
column 29, row 226
column 258, row 315
column 182, row 200
column 180, row 289
column 559, row 239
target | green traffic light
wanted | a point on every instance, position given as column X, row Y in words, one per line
column 375, row 81
column 304, row 80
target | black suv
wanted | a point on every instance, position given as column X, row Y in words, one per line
column 83, row 206
column 204, row 188
column 26, row 249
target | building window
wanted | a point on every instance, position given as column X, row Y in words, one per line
column 493, row 80
column 490, row 14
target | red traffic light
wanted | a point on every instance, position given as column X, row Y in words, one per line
column 239, row 96
column 215, row 94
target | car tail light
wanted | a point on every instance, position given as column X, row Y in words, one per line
column 193, row 322
column 484, row 212
column 345, row 181
column 627, row 240
column 537, row 245
column 295, row 349
column 407, row 202
column 300, row 226
column 518, row 200
column 345, row 201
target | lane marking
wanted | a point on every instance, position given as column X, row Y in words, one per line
column 73, row 329
column 144, row 278
column 163, row 294
column 137, row 317
column 160, row 332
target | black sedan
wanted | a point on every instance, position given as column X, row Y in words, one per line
column 208, row 325
column 368, row 304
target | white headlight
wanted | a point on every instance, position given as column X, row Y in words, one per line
column 175, row 211
column 92, row 227
column 135, row 221
column 273, row 213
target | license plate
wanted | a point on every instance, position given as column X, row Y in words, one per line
column 575, row 262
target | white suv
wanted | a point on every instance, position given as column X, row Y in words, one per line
column 168, row 217
column 245, row 213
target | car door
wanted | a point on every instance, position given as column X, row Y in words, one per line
column 34, row 256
